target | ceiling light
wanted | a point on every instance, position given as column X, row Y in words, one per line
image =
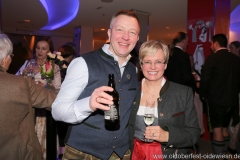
column 167, row 27
column 60, row 17
column 103, row 29
column 27, row 20
column 107, row 1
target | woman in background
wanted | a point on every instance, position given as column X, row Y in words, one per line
column 68, row 53
column 43, row 46
column 234, row 47
column 175, row 128
column 234, row 127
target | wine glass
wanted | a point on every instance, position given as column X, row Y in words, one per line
column 30, row 67
column 149, row 115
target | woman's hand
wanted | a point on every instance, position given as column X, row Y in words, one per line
column 36, row 69
column 24, row 72
column 156, row 133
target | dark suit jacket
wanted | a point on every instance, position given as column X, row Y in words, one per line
column 179, row 69
column 220, row 80
column 16, row 141
column 177, row 115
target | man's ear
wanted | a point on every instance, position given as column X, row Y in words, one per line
column 4, row 62
column 216, row 45
column 109, row 34
column 238, row 49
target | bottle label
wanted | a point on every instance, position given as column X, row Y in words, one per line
column 111, row 114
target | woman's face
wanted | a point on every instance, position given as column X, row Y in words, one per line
column 153, row 66
column 233, row 49
column 42, row 50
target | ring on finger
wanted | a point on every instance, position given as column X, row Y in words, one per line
column 152, row 135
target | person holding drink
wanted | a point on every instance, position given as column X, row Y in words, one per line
column 32, row 68
column 82, row 98
column 173, row 127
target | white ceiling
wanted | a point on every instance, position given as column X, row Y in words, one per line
column 172, row 13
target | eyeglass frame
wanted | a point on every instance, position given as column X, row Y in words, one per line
column 156, row 63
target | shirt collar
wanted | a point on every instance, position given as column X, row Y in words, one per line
column 179, row 47
column 219, row 49
column 106, row 49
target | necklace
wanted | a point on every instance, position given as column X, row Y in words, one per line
column 40, row 64
column 148, row 92
column 159, row 98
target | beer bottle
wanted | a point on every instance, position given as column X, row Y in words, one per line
column 111, row 116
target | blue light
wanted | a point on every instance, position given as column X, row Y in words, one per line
column 60, row 12
column 235, row 20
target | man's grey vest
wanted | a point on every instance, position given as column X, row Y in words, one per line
column 90, row 136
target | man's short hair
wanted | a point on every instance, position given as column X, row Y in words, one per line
column 126, row 13
column 66, row 51
column 221, row 39
column 6, row 46
column 179, row 37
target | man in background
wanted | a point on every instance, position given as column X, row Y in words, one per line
column 18, row 138
column 219, row 88
column 179, row 68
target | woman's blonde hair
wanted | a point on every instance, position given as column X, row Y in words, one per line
column 151, row 47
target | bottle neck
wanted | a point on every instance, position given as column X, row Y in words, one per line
column 111, row 83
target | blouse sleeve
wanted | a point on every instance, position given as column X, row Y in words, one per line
column 57, row 77
column 19, row 72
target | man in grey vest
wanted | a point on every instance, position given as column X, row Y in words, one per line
column 82, row 98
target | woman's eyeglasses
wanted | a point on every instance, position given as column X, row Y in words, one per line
column 156, row 63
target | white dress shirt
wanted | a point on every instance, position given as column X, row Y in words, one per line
column 66, row 106
column 179, row 47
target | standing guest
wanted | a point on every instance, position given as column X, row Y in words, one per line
column 68, row 53
column 83, row 94
column 18, row 139
column 175, row 128
column 43, row 46
column 219, row 88
column 179, row 66
column 234, row 47
column 234, row 127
